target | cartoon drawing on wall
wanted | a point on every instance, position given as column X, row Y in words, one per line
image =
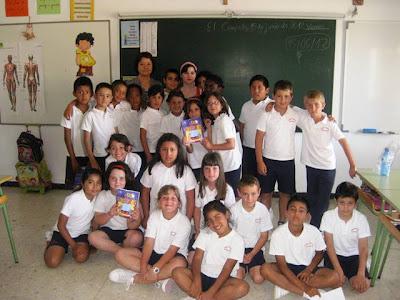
column 10, row 78
column 84, row 59
column 31, row 77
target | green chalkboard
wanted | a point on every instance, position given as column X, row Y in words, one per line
column 299, row 50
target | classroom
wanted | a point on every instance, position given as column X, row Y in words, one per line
column 350, row 85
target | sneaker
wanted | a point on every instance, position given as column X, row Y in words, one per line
column 279, row 292
column 122, row 276
column 168, row 285
column 188, row 298
column 48, row 235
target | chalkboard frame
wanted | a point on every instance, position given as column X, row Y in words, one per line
column 320, row 31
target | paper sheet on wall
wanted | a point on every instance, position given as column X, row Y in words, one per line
column 130, row 34
column 48, row 7
column 148, row 37
column 81, row 10
column 16, row 8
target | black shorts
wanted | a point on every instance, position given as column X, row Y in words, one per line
column 117, row 236
column 249, row 163
column 191, row 242
column 58, row 240
column 282, row 172
column 258, row 260
column 296, row 269
column 155, row 257
column 206, row 282
column 69, row 174
column 102, row 162
column 349, row 265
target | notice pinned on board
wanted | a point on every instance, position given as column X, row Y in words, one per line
column 148, row 37
column 130, row 34
column 81, row 10
column 16, row 8
column 48, row 7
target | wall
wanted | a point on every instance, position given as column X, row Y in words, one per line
column 366, row 148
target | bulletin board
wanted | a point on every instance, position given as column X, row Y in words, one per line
column 53, row 51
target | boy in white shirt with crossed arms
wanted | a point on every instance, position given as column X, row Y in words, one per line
column 298, row 248
column 346, row 232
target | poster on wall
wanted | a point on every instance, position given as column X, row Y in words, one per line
column 148, row 37
column 130, row 34
column 22, row 93
column 48, row 7
column 81, row 10
column 16, row 8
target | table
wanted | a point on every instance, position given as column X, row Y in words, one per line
column 388, row 187
column 3, row 207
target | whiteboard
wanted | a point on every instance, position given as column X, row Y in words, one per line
column 53, row 49
column 372, row 76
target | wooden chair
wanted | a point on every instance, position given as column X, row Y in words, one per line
column 3, row 207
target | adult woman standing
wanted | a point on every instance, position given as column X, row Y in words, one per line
column 144, row 68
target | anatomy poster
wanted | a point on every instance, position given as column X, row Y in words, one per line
column 22, row 93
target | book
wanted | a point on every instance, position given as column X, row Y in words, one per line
column 127, row 201
column 193, row 130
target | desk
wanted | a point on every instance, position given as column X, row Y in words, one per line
column 3, row 207
column 388, row 187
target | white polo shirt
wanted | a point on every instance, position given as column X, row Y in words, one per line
column 345, row 234
column 101, row 126
column 161, row 175
column 172, row 124
column 298, row 250
column 119, row 109
column 132, row 160
column 105, row 200
column 196, row 157
column 317, row 148
column 209, row 195
column 129, row 124
column 249, row 116
column 279, row 134
column 151, row 121
column 175, row 231
column 80, row 212
column 222, row 130
column 217, row 250
column 75, row 123
column 250, row 224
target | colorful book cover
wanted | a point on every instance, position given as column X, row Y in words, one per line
column 193, row 130
column 127, row 202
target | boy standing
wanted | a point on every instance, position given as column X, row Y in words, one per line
column 249, row 116
column 98, row 125
column 252, row 221
column 318, row 155
column 346, row 232
column 275, row 149
column 73, row 137
column 170, row 82
column 298, row 248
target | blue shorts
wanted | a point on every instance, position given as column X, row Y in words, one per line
column 58, row 240
column 206, row 282
column 282, row 172
column 258, row 260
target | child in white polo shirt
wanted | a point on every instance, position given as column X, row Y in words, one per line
column 216, row 260
column 150, row 122
column 172, row 121
column 275, row 149
column 318, row 155
column 165, row 245
column 252, row 221
column 346, row 232
column 298, row 248
column 249, row 116
column 98, row 125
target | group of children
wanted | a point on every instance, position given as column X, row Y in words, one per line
column 140, row 145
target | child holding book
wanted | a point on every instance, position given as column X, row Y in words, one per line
column 216, row 260
column 115, row 231
column 74, row 222
column 252, row 221
column 298, row 248
column 98, row 125
column 165, row 245
column 346, row 232
column 73, row 136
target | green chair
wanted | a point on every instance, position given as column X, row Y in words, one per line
column 3, row 207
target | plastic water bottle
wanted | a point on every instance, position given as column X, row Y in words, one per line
column 386, row 161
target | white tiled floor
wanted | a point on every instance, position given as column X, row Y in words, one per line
column 32, row 214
